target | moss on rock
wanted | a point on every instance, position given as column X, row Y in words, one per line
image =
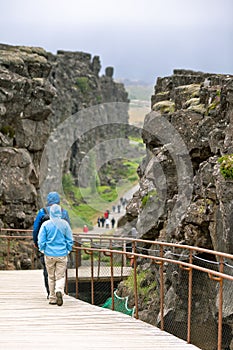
column 164, row 106
column 192, row 102
column 199, row 108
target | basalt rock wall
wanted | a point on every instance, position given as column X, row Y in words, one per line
column 184, row 197
column 38, row 91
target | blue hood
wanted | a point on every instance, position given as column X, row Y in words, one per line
column 53, row 198
column 55, row 212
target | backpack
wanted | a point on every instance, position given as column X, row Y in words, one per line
column 45, row 217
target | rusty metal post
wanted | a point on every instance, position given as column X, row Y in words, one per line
column 92, row 278
column 8, row 252
column 161, row 279
column 124, row 255
column 112, row 277
column 161, row 290
column 220, row 303
column 77, row 252
column 99, row 259
column 190, row 270
column 135, row 283
column 112, row 281
column 122, row 261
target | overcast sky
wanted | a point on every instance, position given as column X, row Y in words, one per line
column 141, row 39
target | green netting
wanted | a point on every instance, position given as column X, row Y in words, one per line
column 120, row 304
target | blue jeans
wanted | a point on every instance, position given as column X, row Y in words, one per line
column 45, row 273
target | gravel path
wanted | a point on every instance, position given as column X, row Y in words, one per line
column 128, row 195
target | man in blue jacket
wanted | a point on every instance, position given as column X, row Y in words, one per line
column 43, row 214
column 55, row 241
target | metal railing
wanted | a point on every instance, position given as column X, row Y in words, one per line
column 134, row 253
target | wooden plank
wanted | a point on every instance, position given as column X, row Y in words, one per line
column 27, row 321
column 102, row 274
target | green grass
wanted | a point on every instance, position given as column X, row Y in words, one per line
column 149, row 196
column 83, row 84
column 84, row 206
column 136, row 139
column 96, row 256
column 144, row 289
column 109, row 194
column 82, row 215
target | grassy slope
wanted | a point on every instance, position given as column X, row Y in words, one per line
column 84, row 206
column 89, row 206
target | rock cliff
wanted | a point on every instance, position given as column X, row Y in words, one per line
column 38, row 92
column 186, row 190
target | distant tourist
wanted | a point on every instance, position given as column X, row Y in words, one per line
column 124, row 202
column 55, row 240
column 107, row 223
column 102, row 221
column 113, row 222
column 134, row 232
column 85, row 229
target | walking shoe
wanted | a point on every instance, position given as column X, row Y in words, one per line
column 53, row 303
column 59, row 298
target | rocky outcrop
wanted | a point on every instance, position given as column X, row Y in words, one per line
column 38, row 92
column 186, row 194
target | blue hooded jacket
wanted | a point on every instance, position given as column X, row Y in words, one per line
column 55, row 235
column 52, row 198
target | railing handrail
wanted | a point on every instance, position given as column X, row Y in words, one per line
column 161, row 259
column 14, row 229
column 159, row 243
column 127, row 239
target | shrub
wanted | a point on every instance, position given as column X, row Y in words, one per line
column 149, row 195
column 8, row 131
column 67, row 183
column 226, row 166
column 82, row 84
column 145, row 282
column 99, row 99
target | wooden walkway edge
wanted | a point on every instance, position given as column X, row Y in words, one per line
column 27, row 321
column 102, row 274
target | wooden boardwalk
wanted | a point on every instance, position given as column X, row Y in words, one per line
column 27, row 321
column 101, row 274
